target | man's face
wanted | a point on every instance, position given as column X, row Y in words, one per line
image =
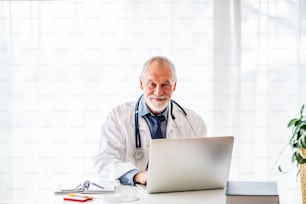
column 157, row 86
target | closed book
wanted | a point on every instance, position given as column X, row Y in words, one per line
column 251, row 192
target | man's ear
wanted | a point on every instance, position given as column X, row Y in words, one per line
column 141, row 84
column 174, row 87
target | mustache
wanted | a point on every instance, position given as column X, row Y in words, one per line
column 163, row 97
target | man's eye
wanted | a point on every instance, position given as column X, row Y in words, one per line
column 166, row 86
column 152, row 85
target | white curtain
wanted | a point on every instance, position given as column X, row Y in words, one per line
column 262, row 85
column 65, row 64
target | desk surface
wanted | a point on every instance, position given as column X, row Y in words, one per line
column 131, row 194
column 128, row 194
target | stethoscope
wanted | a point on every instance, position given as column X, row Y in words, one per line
column 138, row 154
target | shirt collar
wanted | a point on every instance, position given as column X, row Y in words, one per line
column 143, row 110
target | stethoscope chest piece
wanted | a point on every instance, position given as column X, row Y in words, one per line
column 138, row 154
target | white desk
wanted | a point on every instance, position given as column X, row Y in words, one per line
column 124, row 193
column 208, row 196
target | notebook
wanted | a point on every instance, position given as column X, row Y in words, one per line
column 251, row 192
column 188, row 164
column 86, row 187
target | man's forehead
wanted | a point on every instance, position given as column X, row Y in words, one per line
column 159, row 73
column 160, row 70
column 159, row 62
column 166, row 81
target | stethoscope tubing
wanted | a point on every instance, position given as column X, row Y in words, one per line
column 136, row 115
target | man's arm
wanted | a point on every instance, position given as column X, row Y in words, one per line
column 128, row 178
column 134, row 176
column 110, row 160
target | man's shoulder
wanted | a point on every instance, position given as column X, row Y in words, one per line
column 191, row 111
column 122, row 112
column 187, row 110
column 124, row 107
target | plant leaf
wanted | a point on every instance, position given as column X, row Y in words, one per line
column 294, row 157
column 291, row 141
column 292, row 122
column 303, row 127
column 299, row 158
column 298, row 122
column 295, row 132
column 302, row 109
column 300, row 142
column 294, row 136
column 280, row 169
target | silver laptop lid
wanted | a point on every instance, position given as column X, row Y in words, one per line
column 189, row 164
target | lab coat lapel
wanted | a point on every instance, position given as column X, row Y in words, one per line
column 143, row 127
column 174, row 126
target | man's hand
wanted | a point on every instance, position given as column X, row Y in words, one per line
column 141, row 177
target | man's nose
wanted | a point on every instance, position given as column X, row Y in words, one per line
column 158, row 91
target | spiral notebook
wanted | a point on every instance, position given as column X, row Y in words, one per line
column 86, row 187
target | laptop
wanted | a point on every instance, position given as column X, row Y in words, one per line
column 188, row 164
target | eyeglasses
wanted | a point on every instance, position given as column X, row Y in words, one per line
column 152, row 85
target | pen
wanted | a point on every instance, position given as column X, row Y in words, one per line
column 83, row 196
column 78, row 199
column 97, row 185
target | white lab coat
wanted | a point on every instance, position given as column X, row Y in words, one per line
column 117, row 144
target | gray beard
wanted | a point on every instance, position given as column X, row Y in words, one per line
column 157, row 108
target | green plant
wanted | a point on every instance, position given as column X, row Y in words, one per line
column 298, row 138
